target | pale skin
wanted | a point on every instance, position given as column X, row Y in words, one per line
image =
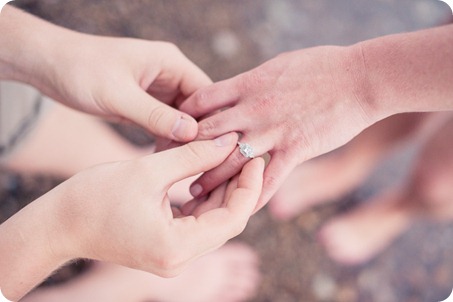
column 348, row 167
column 118, row 78
column 308, row 102
column 95, row 212
column 227, row 274
column 361, row 234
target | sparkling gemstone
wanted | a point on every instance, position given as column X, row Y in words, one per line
column 246, row 150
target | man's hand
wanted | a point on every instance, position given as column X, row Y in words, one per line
column 118, row 78
column 120, row 212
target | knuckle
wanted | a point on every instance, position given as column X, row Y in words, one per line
column 237, row 161
column 156, row 117
column 271, row 182
column 194, row 152
column 169, row 264
column 171, row 48
column 238, row 228
column 168, row 267
column 170, row 259
column 252, row 80
column 206, row 128
column 201, row 99
column 296, row 144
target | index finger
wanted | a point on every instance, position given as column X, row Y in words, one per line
column 191, row 159
column 211, row 98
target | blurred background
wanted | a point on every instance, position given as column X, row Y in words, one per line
column 229, row 37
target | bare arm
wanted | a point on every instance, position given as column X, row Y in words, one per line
column 408, row 72
column 119, row 78
column 31, row 246
column 95, row 212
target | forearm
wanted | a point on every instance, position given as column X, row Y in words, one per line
column 30, row 247
column 29, row 47
column 410, row 72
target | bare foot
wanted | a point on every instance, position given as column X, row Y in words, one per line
column 318, row 181
column 361, row 234
column 229, row 274
column 329, row 177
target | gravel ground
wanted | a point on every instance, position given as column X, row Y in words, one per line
column 228, row 37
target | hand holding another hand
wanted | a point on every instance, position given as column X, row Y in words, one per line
column 120, row 212
column 121, row 78
column 127, row 79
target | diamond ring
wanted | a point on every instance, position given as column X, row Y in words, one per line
column 246, row 150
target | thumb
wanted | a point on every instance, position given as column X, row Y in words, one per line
column 193, row 158
column 158, row 118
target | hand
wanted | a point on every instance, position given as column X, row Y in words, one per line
column 139, row 81
column 294, row 107
column 118, row 78
column 128, row 207
column 120, row 212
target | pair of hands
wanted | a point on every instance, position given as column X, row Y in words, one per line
column 294, row 107
column 118, row 212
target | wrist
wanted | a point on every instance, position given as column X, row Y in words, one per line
column 364, row 89
column 31, row 48
column 32, row 246
column 21, row 35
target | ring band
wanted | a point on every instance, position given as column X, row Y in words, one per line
column 246, row 150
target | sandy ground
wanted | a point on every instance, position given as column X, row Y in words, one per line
column 228, row 37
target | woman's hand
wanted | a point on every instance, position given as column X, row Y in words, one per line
column 294, row 107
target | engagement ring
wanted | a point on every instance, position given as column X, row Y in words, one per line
column 246, row 150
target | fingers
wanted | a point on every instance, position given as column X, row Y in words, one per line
column 223, row 122
column 230, row 167
column 276, row 172
column 215, row 200
column 191, row 159
column 249, row 185
column 159, row 118
column 193, row 79
column 184, row 75
column 211, row 98
column 216, row 226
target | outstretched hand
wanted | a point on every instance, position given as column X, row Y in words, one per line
column 294, row 107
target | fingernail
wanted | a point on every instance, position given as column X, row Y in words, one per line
column 182, row 127
column 224, row 140
column 3, row 296
column 196, row 190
